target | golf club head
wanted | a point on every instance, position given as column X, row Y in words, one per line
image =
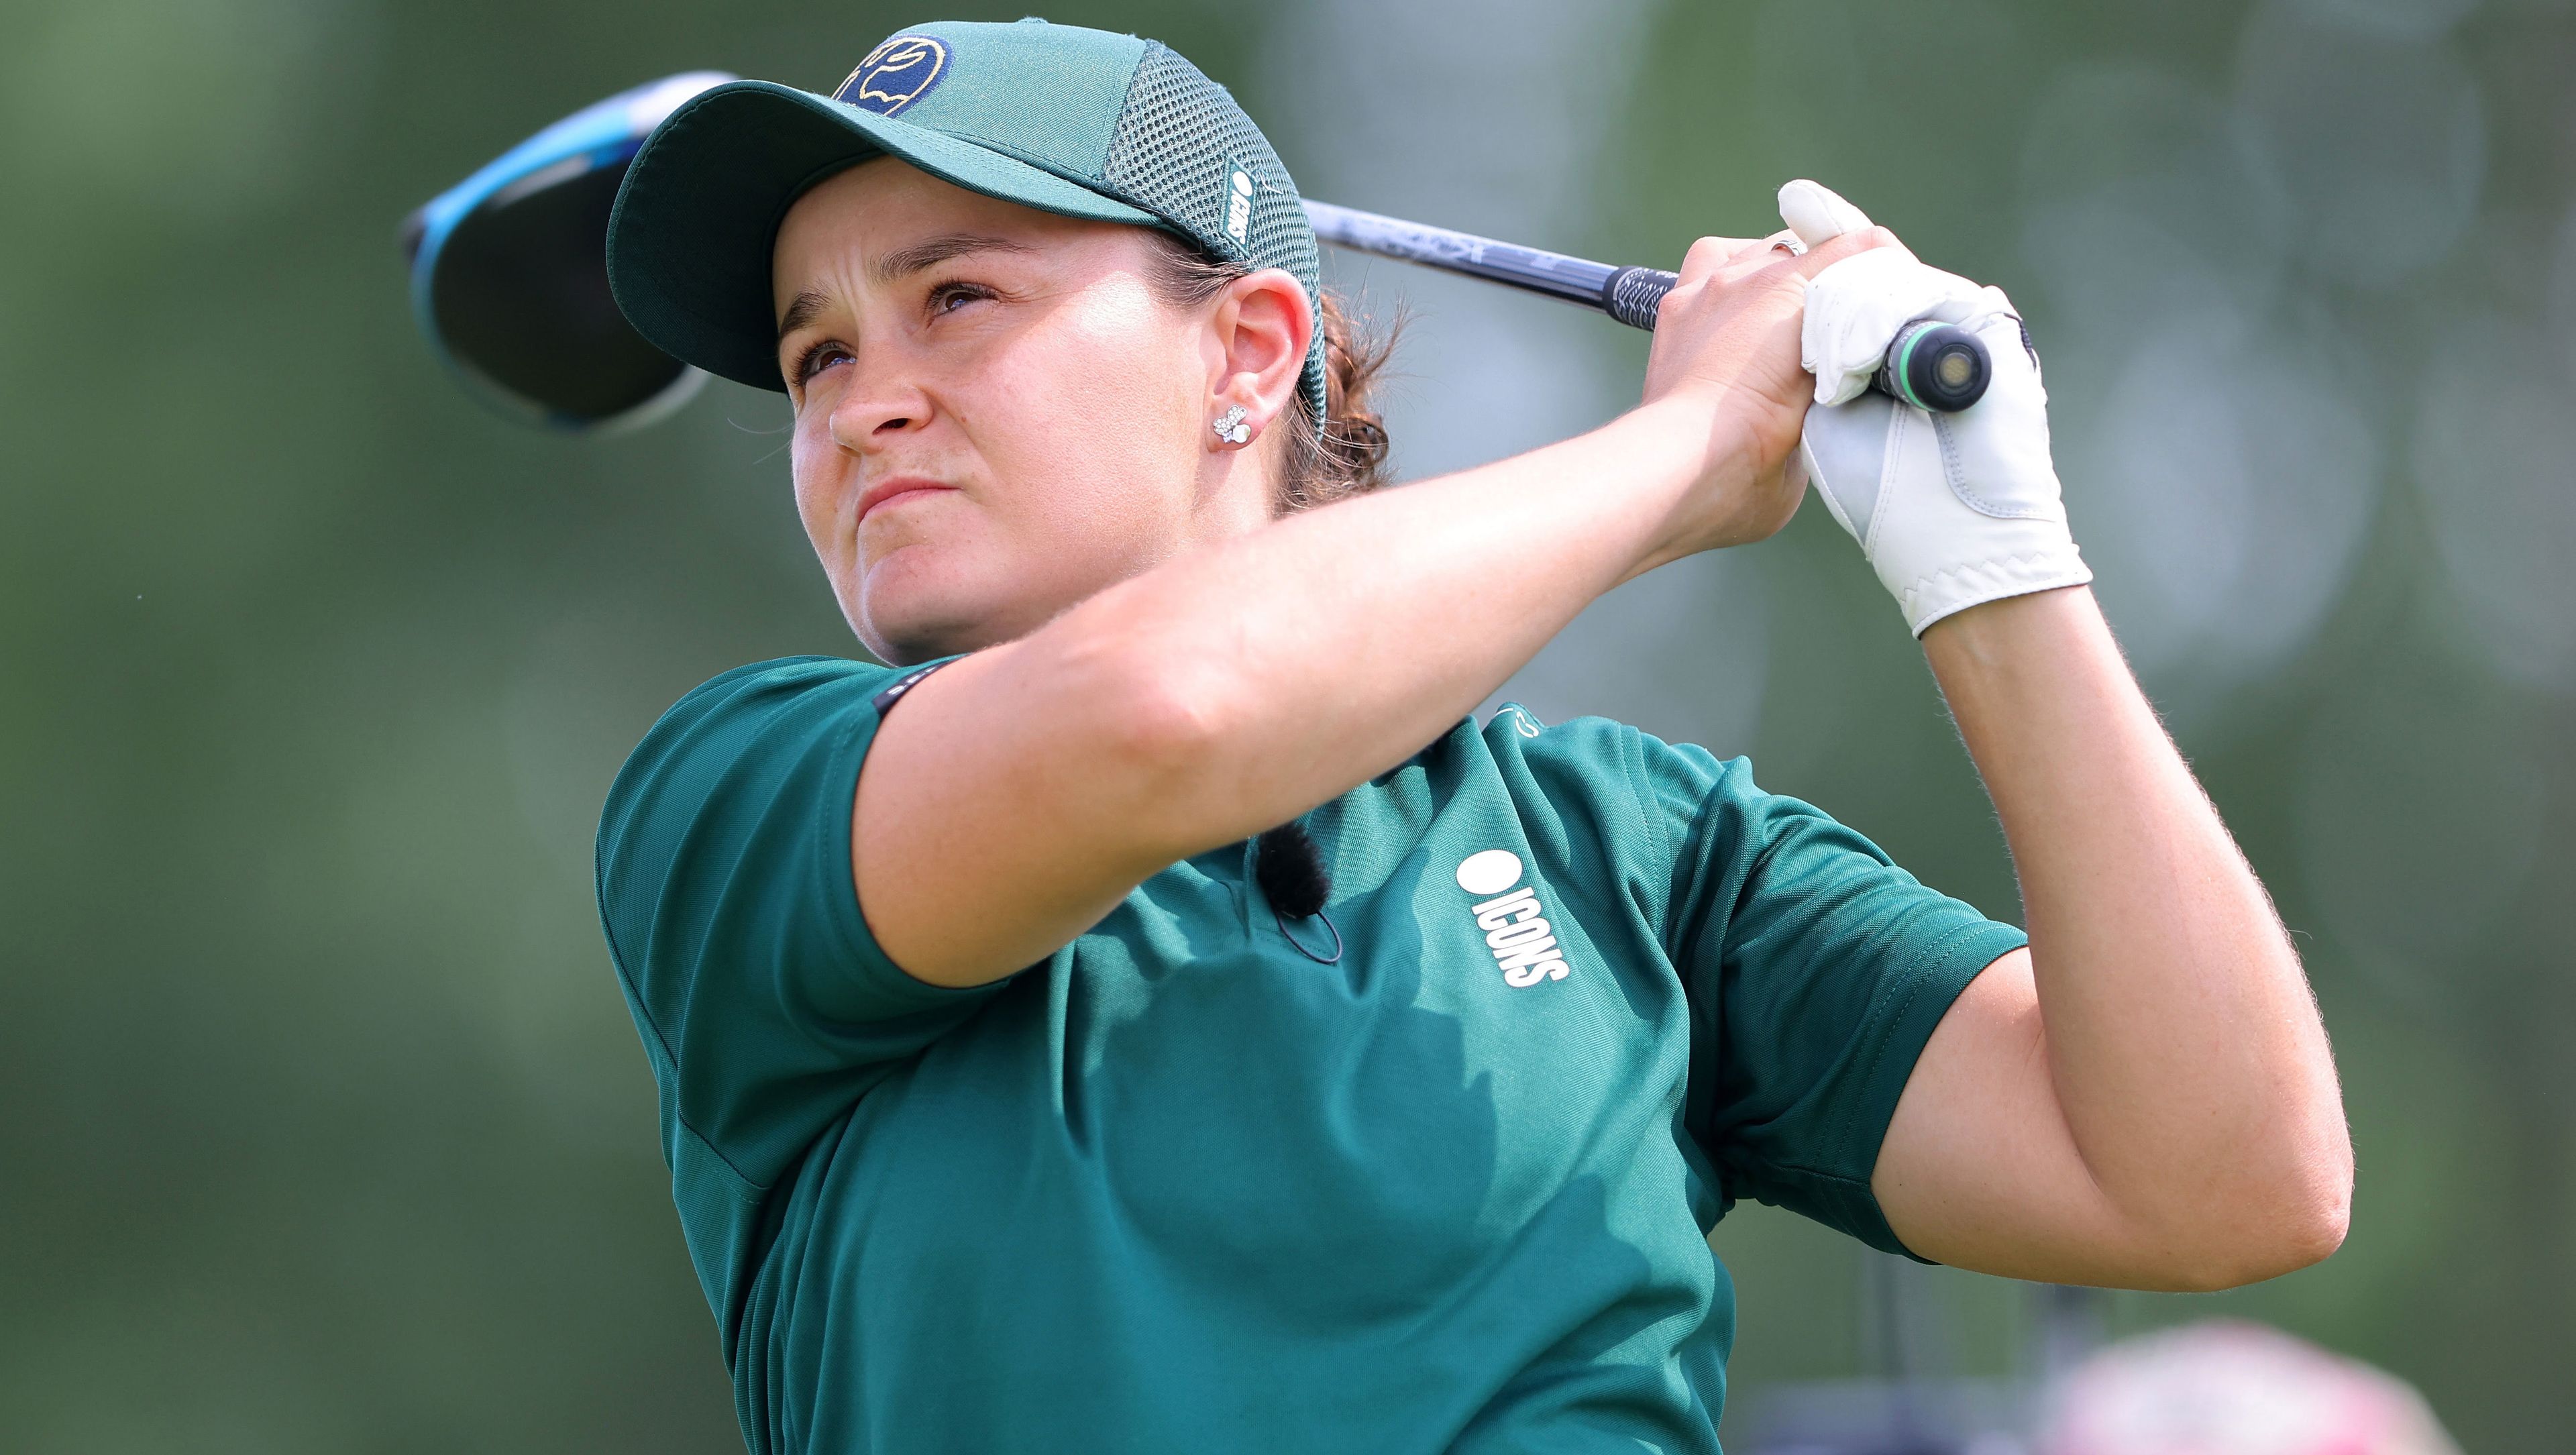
column 509, row 272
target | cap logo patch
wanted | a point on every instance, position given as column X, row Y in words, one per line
column 900, row 71
column 1238, row 202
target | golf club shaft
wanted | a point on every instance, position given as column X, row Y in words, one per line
column 1626, row 294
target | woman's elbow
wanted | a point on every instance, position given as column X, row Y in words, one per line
column 2289, row 1204
column 2320, row 1230
column 2312, row 1198
column 2315, row 1209
column 2297, row 1222
column 1160, row 724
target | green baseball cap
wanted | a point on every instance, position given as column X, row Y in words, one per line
column 1056, row 117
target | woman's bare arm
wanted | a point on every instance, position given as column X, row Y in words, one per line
column 2143, row 1098
column 1018, row 795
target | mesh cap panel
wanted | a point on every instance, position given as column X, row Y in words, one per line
column 1180, row 139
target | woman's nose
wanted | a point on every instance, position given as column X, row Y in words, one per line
column 879, row 406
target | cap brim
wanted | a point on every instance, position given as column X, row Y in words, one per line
column 690, row 237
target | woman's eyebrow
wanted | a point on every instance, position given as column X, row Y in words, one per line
column 905, row 261
column 801, row 310
column 901, row 263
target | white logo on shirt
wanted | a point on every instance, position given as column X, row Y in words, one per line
column 1515, row 924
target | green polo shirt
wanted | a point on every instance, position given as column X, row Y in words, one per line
column 1180, row 1187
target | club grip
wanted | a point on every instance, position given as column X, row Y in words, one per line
column 1630, row 295
column 1935, row 366
column 1930, row 365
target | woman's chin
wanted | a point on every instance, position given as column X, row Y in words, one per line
column 934, row 599
column 912, row 612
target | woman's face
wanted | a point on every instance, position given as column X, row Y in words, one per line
column 995, row 414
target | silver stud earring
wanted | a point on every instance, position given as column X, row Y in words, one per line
column 1231, row 428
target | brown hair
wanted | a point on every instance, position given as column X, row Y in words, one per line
column 1343, row 456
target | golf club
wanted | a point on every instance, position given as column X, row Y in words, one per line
column 509, row 279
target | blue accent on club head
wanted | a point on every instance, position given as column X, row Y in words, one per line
column 604, row 134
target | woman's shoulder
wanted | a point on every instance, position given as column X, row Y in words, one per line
column 770, row 696
column 1593, row 755
column 743, row 727
column 778, row 678
column 1632, row 782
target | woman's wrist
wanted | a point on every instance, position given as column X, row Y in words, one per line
column 1705, row 479
column 1622, row 492
column 2011, row 632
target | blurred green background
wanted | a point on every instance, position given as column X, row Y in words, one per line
column 322, row 1126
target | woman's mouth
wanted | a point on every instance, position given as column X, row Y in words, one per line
column 896, row 491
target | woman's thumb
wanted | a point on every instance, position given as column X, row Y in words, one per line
column 1817, row 214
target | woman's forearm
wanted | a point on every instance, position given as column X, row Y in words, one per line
column 1300, row 660
column 2181, row 1038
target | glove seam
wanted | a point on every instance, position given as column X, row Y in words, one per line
column 1883, row 504
column 1922, row 584
column 2068, row 573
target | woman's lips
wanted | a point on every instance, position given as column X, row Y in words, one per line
column 892, row 492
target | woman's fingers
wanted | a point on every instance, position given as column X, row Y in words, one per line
column 1717, row 266
column 1709, row 255
column 1816, row 212
column 1833, row 250
column 1720, row 262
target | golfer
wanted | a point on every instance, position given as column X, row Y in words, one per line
column 1152, row 1015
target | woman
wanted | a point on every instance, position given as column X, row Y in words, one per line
column 1174, row 1025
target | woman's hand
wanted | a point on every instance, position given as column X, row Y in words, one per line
column 1726, row 367
column 1951, row 510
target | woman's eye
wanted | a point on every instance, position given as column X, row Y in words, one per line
column 818, row 358
column 949, row 297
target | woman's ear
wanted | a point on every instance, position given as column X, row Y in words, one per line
column 1263, row 324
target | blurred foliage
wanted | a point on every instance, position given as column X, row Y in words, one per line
column 325, row 1128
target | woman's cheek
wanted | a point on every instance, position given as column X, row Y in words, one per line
column 825, row 497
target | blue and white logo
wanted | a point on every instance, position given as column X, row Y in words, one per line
column 900, row 71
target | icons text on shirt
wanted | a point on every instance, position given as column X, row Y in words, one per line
column 1515, row 923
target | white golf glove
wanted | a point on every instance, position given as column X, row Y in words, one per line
column 1952, row 510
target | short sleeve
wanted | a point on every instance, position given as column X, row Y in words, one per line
column 1816, row 970
column 725, row 890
